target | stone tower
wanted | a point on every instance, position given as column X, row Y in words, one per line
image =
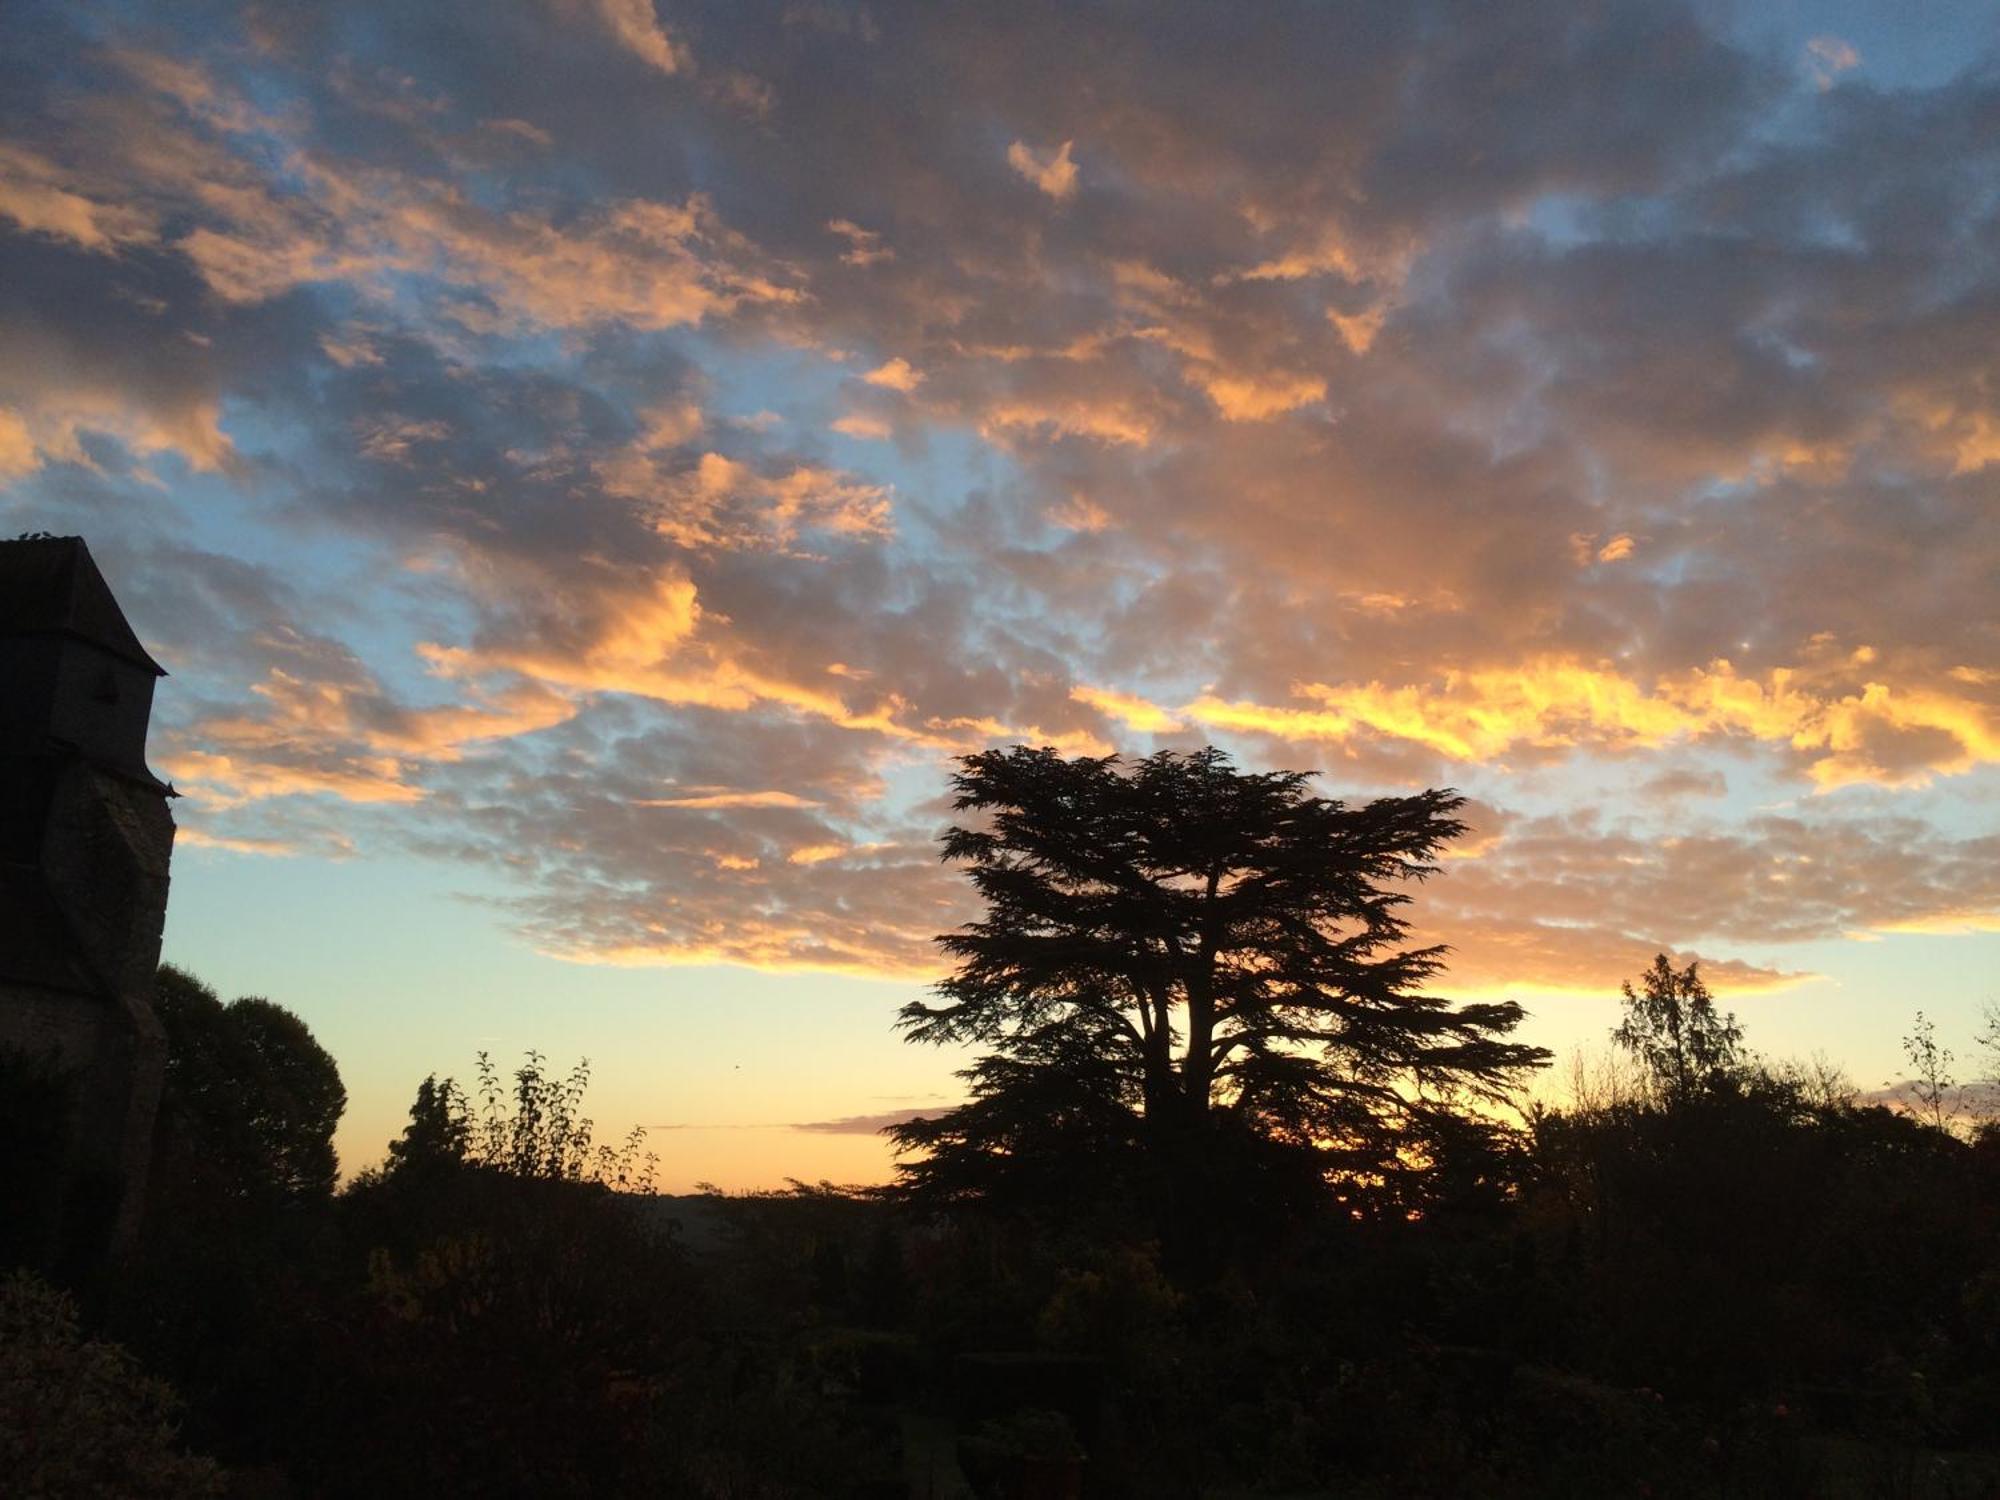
column 85, row 840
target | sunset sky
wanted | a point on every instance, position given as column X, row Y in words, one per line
column 588, row 465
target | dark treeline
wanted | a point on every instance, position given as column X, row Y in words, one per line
column 1229, row 1210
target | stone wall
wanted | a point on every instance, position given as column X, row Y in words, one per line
column 106, row 846
column 111, row 1056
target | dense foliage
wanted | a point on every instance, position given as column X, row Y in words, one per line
column 250, row 1100
column 79, row 1419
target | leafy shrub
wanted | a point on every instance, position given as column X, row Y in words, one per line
column 79, row 1417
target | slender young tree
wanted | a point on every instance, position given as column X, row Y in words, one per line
column 1931, row 1092
column 1176, row 957
column 533, row 1129
column 1673, row 1029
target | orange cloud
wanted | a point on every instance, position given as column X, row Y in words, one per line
column 17, row 447
column 36, row 195
column 1258, row 398
column 441, row 733
column 636, row 27
column 896, row 375
column 669, row 424
column 857, row 425
column 1482, row 714
column 191, row 836
column 638, row 261
column 717, row 800
column 1320, row 248
column 1975, row 443
column 1054, row 174
column 632, row 632
column 1358, row 330
column 1134, row 712
column 1080, row 513
column 720, row 502
column 341, row 737
column 864, row 246
column 224, row 781
column 1105, row 419
column 51, row 423
column 644, row 641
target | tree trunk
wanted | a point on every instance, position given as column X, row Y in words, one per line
column 1199, row 1069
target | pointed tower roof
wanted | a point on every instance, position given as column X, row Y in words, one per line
column 49, row 585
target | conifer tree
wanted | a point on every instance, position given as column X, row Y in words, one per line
column 1184, row 970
